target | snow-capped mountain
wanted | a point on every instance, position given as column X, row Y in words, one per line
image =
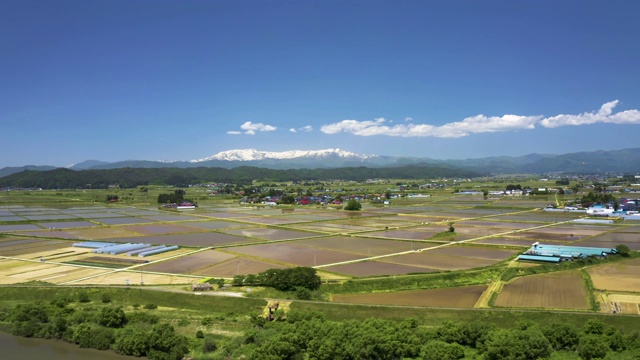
column 255, row 155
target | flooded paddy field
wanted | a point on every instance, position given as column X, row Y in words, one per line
column 564, row 290
column 500, row 226
column 11, row 218
column 375, row 268
column 66, row 224
column 194, row 240
column 464, row 297
column 225, row 215
column 162, row 218
column 161, row 229
column 540, row 217
column 328, row 227
column 271, row 234
column 122, row 220
column 18, row 227
column 274, row 220
column 421, row 233
column 505, row 241
column 632, row 240
column 100, row 233
column 217, row 224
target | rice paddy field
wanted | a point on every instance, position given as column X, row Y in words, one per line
column 564, row 290
column 227, row 239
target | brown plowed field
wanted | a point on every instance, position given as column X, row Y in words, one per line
column 459, row 297
column 238, row 266
column 373, row 268
column 622, row 276
column 438, row 261
column 563, row 290
column 363, row 246
column 475, row 252
column 194, row 262
column 271, row 234
column 295, row 254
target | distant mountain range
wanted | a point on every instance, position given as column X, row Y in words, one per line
column 625, row 161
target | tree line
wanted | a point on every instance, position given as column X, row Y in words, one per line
column 63, row 178
column 309, row 335
column 135, row 334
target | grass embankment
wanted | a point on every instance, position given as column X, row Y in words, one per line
column 231, row 314
column 413, row 282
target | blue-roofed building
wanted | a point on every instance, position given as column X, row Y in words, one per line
column 558, row 253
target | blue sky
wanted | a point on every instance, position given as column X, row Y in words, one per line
column 182, row 80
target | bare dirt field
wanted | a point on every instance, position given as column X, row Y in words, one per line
column 563, row 290
column 27, row 249
column 505, row 241
column 476, row 252
column 363, row 246
column 185, row 264
column 238, row 266
column 622, row 276
column 375, row 268
column 437, row 261
column 271, row 234
column 294, row 254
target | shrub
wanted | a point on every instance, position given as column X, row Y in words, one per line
column 150, row 306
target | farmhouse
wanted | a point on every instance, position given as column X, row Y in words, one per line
column 558, row 253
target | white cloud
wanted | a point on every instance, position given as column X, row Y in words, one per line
column 604, row 115
column 476, row 124
column 407, row 119
column 251, row 128
column 480, row 124
column 307, row 128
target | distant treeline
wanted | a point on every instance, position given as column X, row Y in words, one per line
column 132, row 177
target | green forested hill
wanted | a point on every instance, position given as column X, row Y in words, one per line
column 131, row 177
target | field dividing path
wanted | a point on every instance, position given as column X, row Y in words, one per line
column 443, row 245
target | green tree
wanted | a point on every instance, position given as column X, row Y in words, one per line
column 593, row 346
column 132, row 341
column 353, row 205
column 623, row 250
column 529, row 344
column 440, row 350
column 113, row 317
column 562, row 336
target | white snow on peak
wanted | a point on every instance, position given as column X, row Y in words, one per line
column 253, row 154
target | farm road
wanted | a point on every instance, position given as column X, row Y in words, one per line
column 443, row 245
